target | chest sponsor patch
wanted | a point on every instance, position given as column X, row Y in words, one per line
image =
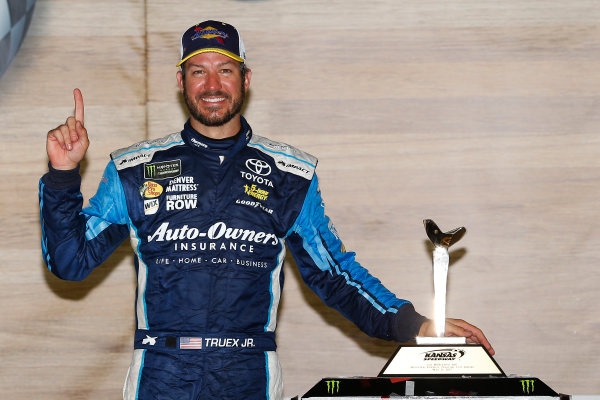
column 162, row 170
column 259, row 167
column 150, row 206
column 256, row 192
column 150, row 190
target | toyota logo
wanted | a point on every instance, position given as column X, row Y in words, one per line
column 259, row 167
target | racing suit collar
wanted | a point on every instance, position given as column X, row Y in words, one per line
column 230, row 146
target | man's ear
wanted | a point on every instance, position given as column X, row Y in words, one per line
column 247, row 78
column 180, row 79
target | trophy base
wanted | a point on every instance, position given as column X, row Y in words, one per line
column 436, row 371
column 440, row 358
column 364, row 388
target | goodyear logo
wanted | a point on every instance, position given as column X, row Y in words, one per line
column 333, row 387
column 162, row 170
column 150, row 190
column 209, row 33
column 528, row 386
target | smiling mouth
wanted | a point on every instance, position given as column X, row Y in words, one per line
column 213, row 100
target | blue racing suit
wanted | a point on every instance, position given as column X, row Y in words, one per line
column 209, row 222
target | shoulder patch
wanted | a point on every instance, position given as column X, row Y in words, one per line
column 287, row 158
column 142, row 152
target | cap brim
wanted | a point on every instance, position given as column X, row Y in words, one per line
column 212, row 50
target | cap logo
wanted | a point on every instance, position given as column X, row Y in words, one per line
column 209, row 33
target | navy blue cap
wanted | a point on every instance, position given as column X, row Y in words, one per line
column 212, row 36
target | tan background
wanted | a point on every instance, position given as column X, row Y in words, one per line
column 476, row 113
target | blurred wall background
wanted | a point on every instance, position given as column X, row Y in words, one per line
column 481, row 114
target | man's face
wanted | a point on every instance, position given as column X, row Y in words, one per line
column 213, row 88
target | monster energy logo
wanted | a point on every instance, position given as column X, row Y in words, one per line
column 333, row 387
column 162, row 170
column 527, row 385
column 150, row 170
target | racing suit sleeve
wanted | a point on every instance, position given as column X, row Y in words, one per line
column 76, row 240
column 341, row 282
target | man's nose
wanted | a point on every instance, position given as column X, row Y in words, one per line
column 213, row 81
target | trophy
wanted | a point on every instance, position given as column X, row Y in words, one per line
column 441, row 260
column 437, row 367
column 441, row 355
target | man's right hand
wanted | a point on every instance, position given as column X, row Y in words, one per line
column 67, row 144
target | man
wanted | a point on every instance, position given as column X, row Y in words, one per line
column 209, row 212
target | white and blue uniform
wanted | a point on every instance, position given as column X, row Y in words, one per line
column 209, row 222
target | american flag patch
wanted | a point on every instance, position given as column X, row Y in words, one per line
column 190, row 343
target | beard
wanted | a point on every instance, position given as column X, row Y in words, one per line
column 213, row 118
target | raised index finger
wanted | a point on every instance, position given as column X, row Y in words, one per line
column 78, row 105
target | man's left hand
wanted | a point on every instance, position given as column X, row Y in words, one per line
column 458, row 327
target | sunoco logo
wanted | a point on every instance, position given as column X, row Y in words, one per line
column 443, row 355
column 209, row 33
column 259, row 167
column 333, row 387
column 527, row 386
